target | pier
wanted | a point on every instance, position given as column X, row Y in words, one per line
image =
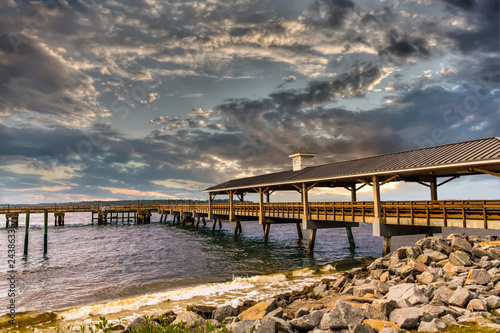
column 430, row 167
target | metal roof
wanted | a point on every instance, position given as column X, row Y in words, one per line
column 303, row 150
column 454, row 156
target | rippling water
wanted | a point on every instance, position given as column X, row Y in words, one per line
column 88, row 267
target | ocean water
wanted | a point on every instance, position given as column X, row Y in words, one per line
column 122, row 271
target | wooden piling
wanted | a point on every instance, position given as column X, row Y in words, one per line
column 196, row 222
column 350, row 237
column 267, row 228
column 299, row 230
column 220, row 224
column 387, row 245
column 312, row 240
column 26, row 233
column 203, row 220
column 214, row 224
column 45, row 231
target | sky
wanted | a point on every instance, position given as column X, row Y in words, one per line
column 155, row 99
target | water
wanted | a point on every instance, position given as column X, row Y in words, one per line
column 126, row 270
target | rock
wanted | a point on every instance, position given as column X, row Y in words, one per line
column 427, row 326
column 373, row 313
column 258, row 311
column 435, row 255
column 378, row 325
column 480, row 253
column 460, row 258
column 307, row 322
column 442, row 294
column 434, row 311
column 477, row 305
column 277, row 313
column 461, row 244
column 301, row 312
column 439, row 244
column 340, row 282
column 266, row 327
column 342, row 315
column 138, row 322
column 242, row 326
column 460, row 297
column 409, row 292
column 204, row 311
column 367, row 288
column 363, row 328
column 384, row 277
column 319, row 289
column 449, row 319
column 456, row 282
column 223, row 312
column 189, row 318
column 229, row 320
column 385, row 306
column 407, row 318
column 280, row 325
column 492, row 302
column 425, row 259
column 388, row 329
column 494, row 252
column 426, row 278
column 478, row 277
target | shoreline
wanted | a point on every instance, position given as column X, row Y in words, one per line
column 435, row 285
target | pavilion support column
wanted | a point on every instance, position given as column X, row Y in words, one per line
column 377, row 214
column 305, row 218
column 210, row 201
column 231, row 206
column 434, row 196
column 261, row 206
column 434, row 189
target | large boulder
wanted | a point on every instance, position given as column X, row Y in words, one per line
column 408, row 292
column 307, row 322
column 442, row 294
column 435, row 255
column 242, row 326
column 373, row 313
column 259, row 310
column 385, row 306
column 460, row 258
column 342, row 315
column 223, row 312
column 407, row 318
column 281, row 325
column 460, row 244
column 204, row 311
column 460, row 297
column 189, row 318
column 478, row 277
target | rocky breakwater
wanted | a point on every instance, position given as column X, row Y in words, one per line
column 427, row 287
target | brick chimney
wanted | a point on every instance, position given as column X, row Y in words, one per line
column 302, row 158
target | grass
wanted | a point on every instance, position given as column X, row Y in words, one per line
column 469, row 328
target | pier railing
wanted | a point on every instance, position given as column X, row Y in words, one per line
column 483, row 214
column 73, row 208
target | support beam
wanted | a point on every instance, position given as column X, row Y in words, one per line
column 390, row 230
column 267, row 228
column 377, row 208
column 26, row 233
column 261, row 206
column 45, row 231
column 231, row 206
column 299, row 231
column 486, row 171
column 350, row 237
column 210, row 200
column 305, row 203
column 268, row 195
column 434, row 187
column 312, row 240
column 386, row 248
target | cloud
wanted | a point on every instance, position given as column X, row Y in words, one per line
column 289, row 79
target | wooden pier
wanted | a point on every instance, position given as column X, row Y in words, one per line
column 431, row 167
